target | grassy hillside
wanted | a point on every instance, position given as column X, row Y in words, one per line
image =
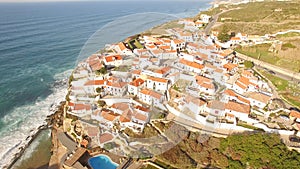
column 261, row 17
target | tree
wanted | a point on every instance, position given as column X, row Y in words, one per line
column 98, row 89
column 101, row 103
column 248, row 64
column 224, row 36
column 101, row 71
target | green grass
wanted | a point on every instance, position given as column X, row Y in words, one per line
column 259, row 52
column 281, row 84
column 288, row 45
column 286, row 35
column 284, row 87
column 248, row 126
column 138, row 44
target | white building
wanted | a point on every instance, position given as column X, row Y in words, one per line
column 116, row 88
column 135, row 86
column 178, row 44
column 257, row 99
column 151, row 97
column 158, row 84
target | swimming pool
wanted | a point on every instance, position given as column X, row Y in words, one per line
column 102, row 162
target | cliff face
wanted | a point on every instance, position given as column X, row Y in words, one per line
column 56, row 121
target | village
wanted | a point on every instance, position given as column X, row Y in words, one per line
column 185, row 76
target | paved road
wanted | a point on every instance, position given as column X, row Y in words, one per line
column 214, row 20
column 287, row 74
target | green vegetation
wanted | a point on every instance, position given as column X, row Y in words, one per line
column 248, row 126
column 101, row 103
column 147, row 132
column 290, row 34
column 288, row 90
column 263, row 21
column 278, row 82
column 122, row 68
column 99, row 89
column 246, row 150
column 101, row 71
column 109, row 146
column 259, row 150
column 285, row 46
column 224, row 36
column 133, row 44
column 259, row 52
column 248, row 64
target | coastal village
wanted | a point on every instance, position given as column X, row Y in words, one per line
column 185, row 76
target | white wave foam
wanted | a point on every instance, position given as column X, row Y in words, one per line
column 23, row 122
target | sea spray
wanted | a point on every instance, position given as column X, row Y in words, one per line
column 27, row 120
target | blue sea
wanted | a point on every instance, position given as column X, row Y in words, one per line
column 40, row 44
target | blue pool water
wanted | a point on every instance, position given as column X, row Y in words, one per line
column 102, row 162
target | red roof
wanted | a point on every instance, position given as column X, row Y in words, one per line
column 178, row 41
column 137, row 82
column 151, row 93
column 122, row 46
column 230, row 66
column 82, row 107
column 113, row 58
column 95, row 82
column 109, row 115
column 295, row 114
column 105, row 137
column 241, row 108
column 191, row 64
column 156, row 79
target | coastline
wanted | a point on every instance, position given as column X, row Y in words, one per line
column 30, row 139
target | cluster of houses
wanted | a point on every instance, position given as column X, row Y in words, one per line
column 219, row 89
column 193, row 25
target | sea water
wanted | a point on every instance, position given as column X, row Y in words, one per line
column 39, row 47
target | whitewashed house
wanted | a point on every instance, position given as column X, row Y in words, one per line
column 158, row 84
column 116, row 88
column 135, row 86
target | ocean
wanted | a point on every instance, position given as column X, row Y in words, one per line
column 40, row 44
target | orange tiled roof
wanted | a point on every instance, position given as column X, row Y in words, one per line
column 259, row 96
column 105, row 137
column 151, row 93
column 120, row 106
column 117, row 84
column 156, row 79
column 95, row 82
column 178, row 41
column 294, row 113
column 165, row 47
column 241, row 85
column 109, row 115
column 137, row 82
column 242, row 108
column 82, row 107
column 137, row 72
column 113, row 58
column 230, row 66
column 191, row 64
column 122, row 46
column 235, row 38
column 144, row 109
column 140, row 117
column 163, row 70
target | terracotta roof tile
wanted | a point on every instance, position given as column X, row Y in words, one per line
column 242, row 108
